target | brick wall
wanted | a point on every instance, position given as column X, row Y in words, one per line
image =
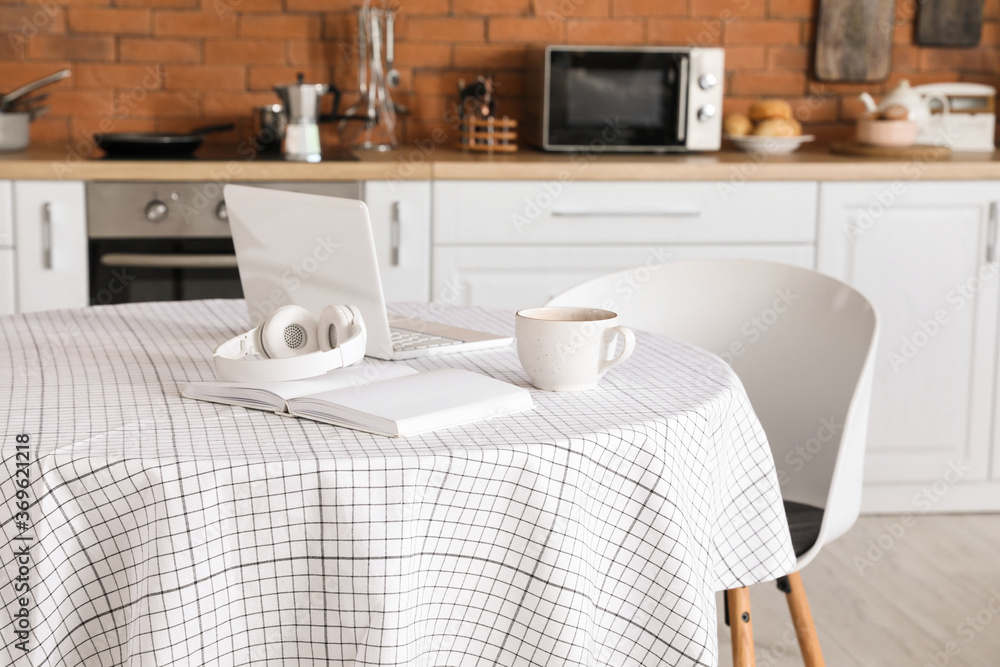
column 176, row 64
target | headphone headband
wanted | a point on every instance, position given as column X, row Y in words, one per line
column 240, row 359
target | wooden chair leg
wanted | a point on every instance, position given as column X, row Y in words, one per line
column 805, row 629
column 741, row 626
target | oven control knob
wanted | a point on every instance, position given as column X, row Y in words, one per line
column 156, row 211
column 221, row 212
column 707, row 81
column 707, row 112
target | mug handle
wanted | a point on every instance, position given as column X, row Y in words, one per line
column 629, row 339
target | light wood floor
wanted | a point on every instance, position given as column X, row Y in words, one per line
column 904, row 609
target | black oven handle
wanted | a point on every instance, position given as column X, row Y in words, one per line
column 168, row 261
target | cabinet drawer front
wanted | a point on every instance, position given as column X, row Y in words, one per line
column 582, row 213
column 517, row 278
column 6, row 215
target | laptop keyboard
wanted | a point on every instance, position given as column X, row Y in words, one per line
column 404, row 340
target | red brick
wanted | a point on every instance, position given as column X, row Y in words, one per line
column 762, row 32
column 265, row 78
column 780, row 84
column 188, row 24
column 184, row 77
column 280, row 26
column 244, row 52
column 116, row 76
column 815, row 108
column 161, row 4
column 317, row 53
column 689, row 32
column 234, row 104
column 50, row 130
column 72, row 47
column 445, row 29
column 793, row 9
column 728, row 10
column 492, row 7
column 426, row 54
column 321, row 5
column 649, row 8
column 344, row 27
column 967, row 60
column 490, row 56
column 163, row 105
column 429, row 7
column 526, row 30
column 27, row 20
column 797, row 58
column 160, row 50
column 740, row 58
column 609, row 31
column 554, row 10
column 115, row 21
column 16, row 74
column 83, row 102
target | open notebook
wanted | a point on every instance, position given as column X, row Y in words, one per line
column 387, row 399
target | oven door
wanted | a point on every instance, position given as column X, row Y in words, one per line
column 152, row 269
column 616, row 99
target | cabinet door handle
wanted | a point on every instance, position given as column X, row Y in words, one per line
column 598, row 213
column 47, row 235
column 394, row 234
column 991, row 244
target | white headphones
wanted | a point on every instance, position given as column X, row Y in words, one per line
column 291, row 344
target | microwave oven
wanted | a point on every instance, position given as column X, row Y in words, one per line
column 636, row 99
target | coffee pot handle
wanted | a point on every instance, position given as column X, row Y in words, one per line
column 629, row 339
column 334, row 114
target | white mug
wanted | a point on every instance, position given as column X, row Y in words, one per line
column 567, row 348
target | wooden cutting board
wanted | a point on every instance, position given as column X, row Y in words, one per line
column 913, row 152
column 854, row 40
column 949, row 22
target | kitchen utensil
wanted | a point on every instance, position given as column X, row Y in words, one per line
column 269, row 126
column 24, row 103
column 916, row 102
column 376, row 48
column 10, row 98
column 901, row 152
column 139, row 145
column 854, row 40
column 769, row 145
column 392, row 77
column 301, row 102
column 949, row 22
column 878, row 132
column 14, row 131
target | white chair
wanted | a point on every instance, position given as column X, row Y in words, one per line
column 803, row 345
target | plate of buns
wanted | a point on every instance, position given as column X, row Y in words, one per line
column 769, row 126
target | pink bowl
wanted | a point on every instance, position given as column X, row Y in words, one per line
column 876, row 132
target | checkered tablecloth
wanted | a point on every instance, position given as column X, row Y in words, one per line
column 592, row 530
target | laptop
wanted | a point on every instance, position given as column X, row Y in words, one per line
column 312, row 251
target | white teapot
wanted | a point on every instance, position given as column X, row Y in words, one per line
column 904, row 95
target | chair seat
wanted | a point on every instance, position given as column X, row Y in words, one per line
column 803, row 523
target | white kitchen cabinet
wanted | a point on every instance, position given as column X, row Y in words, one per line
column 926, row 256
column 401, row 224
column 522, row 277
column 6, row 214
column 7, row 297
column 50, row 245
column 514, row 244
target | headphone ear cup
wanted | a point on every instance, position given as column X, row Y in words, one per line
column 289, row 331
column 335, row 323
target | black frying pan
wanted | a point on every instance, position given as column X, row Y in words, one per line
column 155, row 145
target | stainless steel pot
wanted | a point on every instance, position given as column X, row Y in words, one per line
column 14, row 131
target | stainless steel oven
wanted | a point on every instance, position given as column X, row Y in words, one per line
column 169, row 241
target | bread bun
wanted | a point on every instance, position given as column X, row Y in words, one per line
column 778, row 127
column 737, row 125
column 765, row 109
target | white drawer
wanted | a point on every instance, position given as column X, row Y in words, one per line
column 6, row 214
column 521, row 277
column 602, row 212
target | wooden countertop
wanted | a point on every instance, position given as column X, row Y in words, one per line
column 815, row 164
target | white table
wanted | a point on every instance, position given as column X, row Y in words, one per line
column 592, row 530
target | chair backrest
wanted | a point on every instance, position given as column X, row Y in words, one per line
column 801, row 342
